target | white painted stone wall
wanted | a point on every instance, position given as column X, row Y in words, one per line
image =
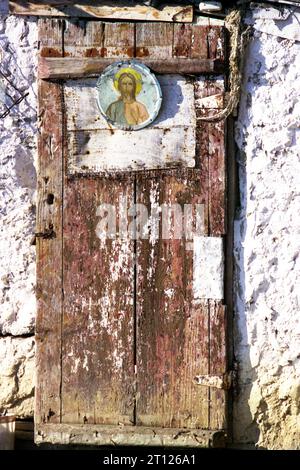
column 267, row 238
column 267, row 328
column 18, row 45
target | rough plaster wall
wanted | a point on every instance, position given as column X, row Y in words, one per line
column 267, row 241
column 18, row 42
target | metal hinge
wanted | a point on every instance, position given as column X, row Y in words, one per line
column 48, row 233
column 225, row 381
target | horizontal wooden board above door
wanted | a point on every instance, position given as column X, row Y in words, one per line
column 68, row 67
column 121, row 10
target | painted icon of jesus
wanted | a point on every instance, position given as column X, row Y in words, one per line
column 127, row 110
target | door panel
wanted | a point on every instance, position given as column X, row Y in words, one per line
column 172, row 329
column 121, row 334
column 97, row 327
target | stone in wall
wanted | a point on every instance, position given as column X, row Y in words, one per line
column 17, row 374
column 267, row 241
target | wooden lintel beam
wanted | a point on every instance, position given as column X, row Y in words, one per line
column 65, row 68
column 122, row 10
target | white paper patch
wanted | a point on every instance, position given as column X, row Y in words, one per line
column 208, row 268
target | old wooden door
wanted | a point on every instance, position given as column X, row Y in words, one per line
column 131, row 331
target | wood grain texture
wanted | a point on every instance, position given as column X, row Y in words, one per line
column 98, row 342
column 119, row 40
column 217, row 179
column 49, row 250
column 154, row 40
column 182, row 40
column 217, row 364
column 86, row 37
column 123, row 11
column 213, row 149
column 67, row 68
column 172, row 332
column 164, row 47
column 128, row 435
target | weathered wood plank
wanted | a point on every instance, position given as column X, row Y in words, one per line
column 217, row 179
column 83, row 38
column 217, row 363
column 50, row 37
column 128, row 435
column 182, row 40
column 216, row 42
column 207, row 42
column 172, row 332
column 99, row 151
column 214, row 142
column 154, row 40
column 123, row 11
column 119, row 40
column 98, row 342
column 66, row 68
column 49, row 250
column 199, row 46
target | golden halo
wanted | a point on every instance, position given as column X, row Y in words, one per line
column 133, row 72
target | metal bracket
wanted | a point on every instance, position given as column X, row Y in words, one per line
column 223, row 382
column 47, row 234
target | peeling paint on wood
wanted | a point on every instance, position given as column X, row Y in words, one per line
column 223, row 382
column 218, row 417
column 212, row 136
column 98, row 342
column 90, row 66
column 162, row 47
column 124, row 11
column 49, row 251
column 172, row 333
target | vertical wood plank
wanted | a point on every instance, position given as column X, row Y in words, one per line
column 98, row 347
column 154, row 40
column 172, row 332
column 199, row 46
column 182, row 40
column 216, row 42
column 208, row 42
column 217, row 363
column 84, row 37
column 119, row 40
column 212, row 151
column 49, row 251
column 50, row 37
column 217, row 179
column 98, row 340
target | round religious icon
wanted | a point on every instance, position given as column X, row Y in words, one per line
column 129, row 95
